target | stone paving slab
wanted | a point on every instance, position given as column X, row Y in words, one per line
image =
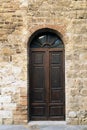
column 45, row 127
column 65, row 128
column 13, row 127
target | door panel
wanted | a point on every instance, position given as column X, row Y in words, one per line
column 38, row 111
column 37, row 57
column 38, row 80
column 47, row 85
column 56, row 112
column 55, row 73
column 37, row 95
column 55, row 58
column 56, row 96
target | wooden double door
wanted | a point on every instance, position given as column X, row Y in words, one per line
column 47, row 93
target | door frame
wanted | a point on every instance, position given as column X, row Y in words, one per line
column 29, row 65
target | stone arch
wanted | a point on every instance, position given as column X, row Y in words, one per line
column 57, row 29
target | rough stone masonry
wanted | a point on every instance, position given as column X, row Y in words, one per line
column 19, row 19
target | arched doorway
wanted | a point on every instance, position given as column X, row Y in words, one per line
column 47, row 88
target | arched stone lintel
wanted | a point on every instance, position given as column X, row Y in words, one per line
column 58, row 29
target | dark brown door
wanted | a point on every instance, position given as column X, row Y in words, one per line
column 47, row 93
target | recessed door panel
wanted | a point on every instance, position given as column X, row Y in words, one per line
column 37, row 58
column 38, row 77
column 38, row 112
column 56, row 58
column 57, row 96
column 38, row 96
column 56, row 112
column 55, row 73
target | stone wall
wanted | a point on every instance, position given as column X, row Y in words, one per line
column 19, row 19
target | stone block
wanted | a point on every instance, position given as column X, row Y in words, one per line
column 20, row 122
column 1, row 121
column 5, row 99
column 23, row 102
column 7, row 51
column 5, row 114
column 9, row 106
column 20, row 117
column 74, row 92
column 84, row 122
column 8, row 121
column 72, row 114
column 16, row 70
column 84, row 92
column 83, row 56
column 81, row 14
column 8, row 90
column 74, row 121
column 23, row 92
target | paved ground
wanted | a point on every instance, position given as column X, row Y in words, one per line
column 36, row 127
column 12, row 127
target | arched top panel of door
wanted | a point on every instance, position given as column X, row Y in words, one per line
column 46, row 40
